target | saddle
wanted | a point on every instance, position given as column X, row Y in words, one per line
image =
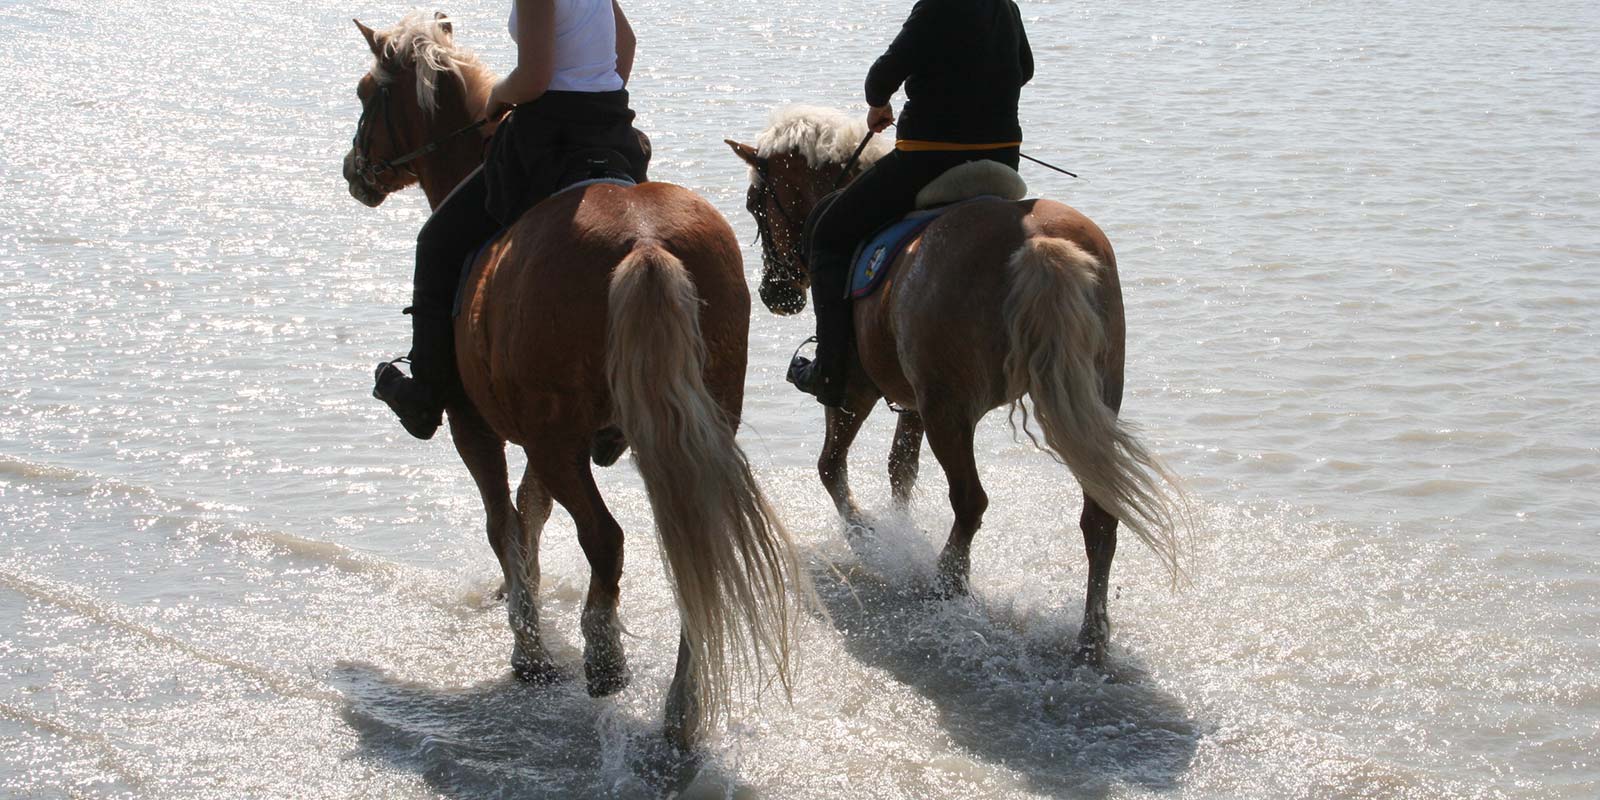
column 974, row 180
column 593, row 165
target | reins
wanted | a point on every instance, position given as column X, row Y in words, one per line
column 854, row 157
column 769, row 192
column 370, row 170
column 429, row 147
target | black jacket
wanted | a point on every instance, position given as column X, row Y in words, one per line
column 963, row 63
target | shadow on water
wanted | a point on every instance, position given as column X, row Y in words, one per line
column 1004, row 683
column 507, row 739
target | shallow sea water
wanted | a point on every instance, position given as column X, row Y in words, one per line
column 1358, row 246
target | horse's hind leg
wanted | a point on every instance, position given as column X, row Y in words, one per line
column 483, row 451
column 904, row 457
column 569, row 480
column 1100, row 543
column 683, row 702
column 533, row 508
column 1100, row 540
column 530, row 660
column 951, row 436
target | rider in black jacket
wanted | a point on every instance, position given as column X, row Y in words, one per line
column 963, row 64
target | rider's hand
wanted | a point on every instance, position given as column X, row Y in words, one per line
column 495, row 108
column 880, row 117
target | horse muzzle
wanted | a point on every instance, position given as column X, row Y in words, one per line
column 782, row 299
column 361, row 187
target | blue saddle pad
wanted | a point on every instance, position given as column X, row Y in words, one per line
column 872, row 260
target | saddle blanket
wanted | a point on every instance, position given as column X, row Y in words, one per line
column 872, row 260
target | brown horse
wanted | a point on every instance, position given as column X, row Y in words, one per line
column 995, row 300
column 606, row 305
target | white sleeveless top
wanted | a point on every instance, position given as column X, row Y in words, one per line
column 586, row 46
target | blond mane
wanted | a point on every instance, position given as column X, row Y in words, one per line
column 823, row 136
column 433, row 52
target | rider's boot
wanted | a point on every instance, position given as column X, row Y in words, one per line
column 419, row 400
column 824, row 376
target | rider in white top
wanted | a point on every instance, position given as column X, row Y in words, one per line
column 586, row 46
column 568, row 89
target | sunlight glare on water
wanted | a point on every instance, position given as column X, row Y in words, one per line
column 1356, row 244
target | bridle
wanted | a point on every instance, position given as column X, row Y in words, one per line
column 368, row 169
column 768, row 198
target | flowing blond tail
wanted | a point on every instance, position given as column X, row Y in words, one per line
column 730, row 560
column 1056, row 338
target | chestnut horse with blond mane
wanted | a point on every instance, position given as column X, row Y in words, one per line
column 995, row 300
column 607, row 305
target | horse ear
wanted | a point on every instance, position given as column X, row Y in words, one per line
column 371, row 37
column 444, row 23
column 747, row 153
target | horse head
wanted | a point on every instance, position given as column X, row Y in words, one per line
column 778, row 200
column 795, row 163
column 419, row 83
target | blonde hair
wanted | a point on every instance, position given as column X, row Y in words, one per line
column 824, row 136
column 433, row 51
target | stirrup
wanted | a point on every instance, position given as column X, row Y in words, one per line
column 806, row 375
column 800, row 373
column 379, row 377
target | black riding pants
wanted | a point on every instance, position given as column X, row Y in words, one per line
column 457, row 227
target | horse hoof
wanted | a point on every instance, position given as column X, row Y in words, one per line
column 666, row 765
column 951, row 587
column 681, row 736
column 605, row 668
column 1091, row 656
column 856, row 528
column 537, row 672
column 1091, row 653
column 952, row 581
column 1094, row 639
column 605, row 664
column 606, row 681
column 954, row 568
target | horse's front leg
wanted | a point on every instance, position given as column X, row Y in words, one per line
column 483, row 451
column 904, row 456
column 833, row 466
column 951, row 433
column 1100, row 541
